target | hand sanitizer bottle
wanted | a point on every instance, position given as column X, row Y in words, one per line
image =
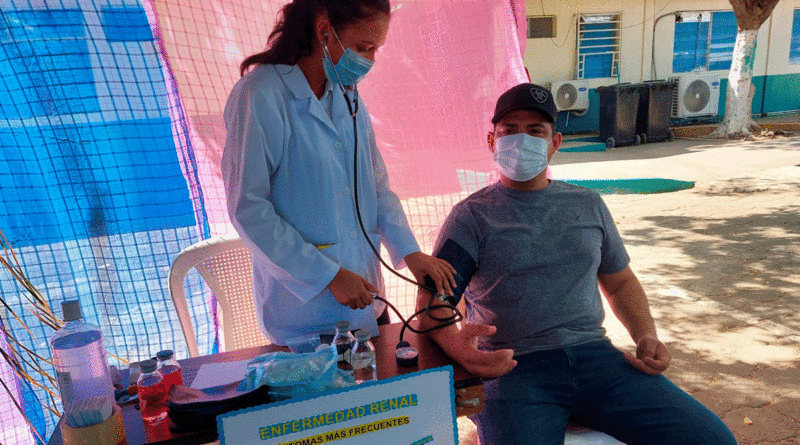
column 79, row 356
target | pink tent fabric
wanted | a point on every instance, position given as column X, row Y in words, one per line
column 430, row 93
column 433, row 88
column 13, row 428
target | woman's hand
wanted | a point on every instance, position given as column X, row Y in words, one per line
column 439, row 270
column 351, row 290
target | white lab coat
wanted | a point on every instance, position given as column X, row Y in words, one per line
column 288, row 172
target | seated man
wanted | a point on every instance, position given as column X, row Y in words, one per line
column 530, row 253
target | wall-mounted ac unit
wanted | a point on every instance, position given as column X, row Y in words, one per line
column 697, row 95
column 570, row 95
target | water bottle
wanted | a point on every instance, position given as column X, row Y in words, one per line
column 169, row 369
column 343, row 340
column 152, row 392
column 363, row 358
column 79, row 357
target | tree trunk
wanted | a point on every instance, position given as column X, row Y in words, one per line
column 750, row 15
column 739, row 99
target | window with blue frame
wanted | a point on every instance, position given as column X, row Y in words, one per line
column 703, row 41
column 794, row 46
column 598, row 45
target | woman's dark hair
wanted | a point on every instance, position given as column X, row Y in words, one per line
column 293, row 36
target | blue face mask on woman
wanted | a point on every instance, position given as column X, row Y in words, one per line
column 520, row 157
column 350, row 70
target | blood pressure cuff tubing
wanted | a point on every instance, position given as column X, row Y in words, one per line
column 462, row 262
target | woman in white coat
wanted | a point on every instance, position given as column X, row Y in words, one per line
column 288, row 170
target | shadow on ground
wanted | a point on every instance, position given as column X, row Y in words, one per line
column 645, row 151
column 749, row 263
column 675, row 148
column 759, row 403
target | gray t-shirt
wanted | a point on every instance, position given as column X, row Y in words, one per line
column 538, row 254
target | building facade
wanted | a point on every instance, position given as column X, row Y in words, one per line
column 594, row 43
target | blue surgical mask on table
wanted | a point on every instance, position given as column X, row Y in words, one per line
column 351, row 69
column 520, row 157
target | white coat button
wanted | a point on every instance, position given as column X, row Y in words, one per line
column 353, row 234
column 338, row 145
column 346, row 191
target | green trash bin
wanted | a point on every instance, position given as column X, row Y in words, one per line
column 655, row 110
column 619, row 105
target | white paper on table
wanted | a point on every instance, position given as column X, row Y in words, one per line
column 215, row 374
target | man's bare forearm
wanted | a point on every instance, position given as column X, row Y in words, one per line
column 629, row 303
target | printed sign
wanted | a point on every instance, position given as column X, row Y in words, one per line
column 414, row 409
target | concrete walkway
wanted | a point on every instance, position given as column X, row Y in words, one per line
column 721, row 265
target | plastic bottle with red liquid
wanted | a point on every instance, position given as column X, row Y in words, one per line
column 169, row 369
column 152, row 392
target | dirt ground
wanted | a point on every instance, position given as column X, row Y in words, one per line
column 721, row 265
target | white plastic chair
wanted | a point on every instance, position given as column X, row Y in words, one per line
column 580, row 435
column 226, row 265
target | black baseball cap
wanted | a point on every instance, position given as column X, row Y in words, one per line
column 526, row 96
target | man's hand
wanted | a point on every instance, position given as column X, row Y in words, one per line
column 350, row 289
column 652, row 356
column 440, row 271
column 462, row 346
column 629, row 303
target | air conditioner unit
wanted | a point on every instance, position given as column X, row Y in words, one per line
column 570, row 95
column 697, row 95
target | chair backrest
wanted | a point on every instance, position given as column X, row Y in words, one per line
column 226, row 265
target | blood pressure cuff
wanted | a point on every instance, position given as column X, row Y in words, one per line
column 462, row 262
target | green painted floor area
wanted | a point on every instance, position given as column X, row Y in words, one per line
column 598, row 146
column 632, row 186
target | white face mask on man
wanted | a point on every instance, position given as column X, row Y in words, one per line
column 520, row 157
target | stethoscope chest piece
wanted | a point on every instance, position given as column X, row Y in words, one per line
column 406, row 355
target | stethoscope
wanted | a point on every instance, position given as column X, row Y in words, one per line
column 406, row 354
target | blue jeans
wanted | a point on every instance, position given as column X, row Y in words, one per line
column 592, row 385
